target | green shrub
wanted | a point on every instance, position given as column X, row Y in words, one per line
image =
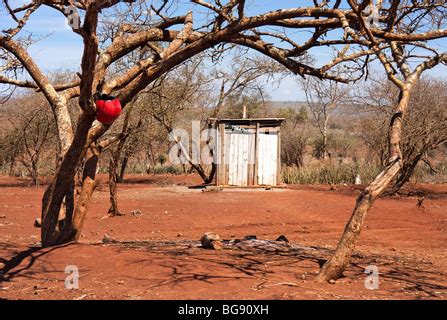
column 329, row 172
column 171, row 169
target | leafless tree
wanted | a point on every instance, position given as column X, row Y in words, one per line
column 423, row 131
column 295, row 136
column 404, row 57
column 30, row 134
column 322, row 98
column 115, row 155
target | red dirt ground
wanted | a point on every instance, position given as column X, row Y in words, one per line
column 406, row 242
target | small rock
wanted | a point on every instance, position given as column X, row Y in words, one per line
column 38, row 223
column 332, row 281
column 2, row 216
column 179, row 235
column 282, row 238
column 106, row 238
column 250, row 237
column 207, row 240
column 136, row 213
column 217, row 245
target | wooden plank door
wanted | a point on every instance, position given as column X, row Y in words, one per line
column 240, row 156
column 267, row 166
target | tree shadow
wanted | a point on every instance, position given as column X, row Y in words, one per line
column 10, row 268
column 187, row 262
column 249, row 261
column 415, row 276
column 22, row 182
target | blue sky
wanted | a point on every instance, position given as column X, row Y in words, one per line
column 60, row 48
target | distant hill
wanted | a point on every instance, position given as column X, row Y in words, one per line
column 286, row 104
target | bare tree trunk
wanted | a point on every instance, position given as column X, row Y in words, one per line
column 11, row 167
column 406, row 173
column 334, row 267
column 212, row 172
column 92, row 154
column 123, row 169
column 113, row 167
column 86, row 192
column 62, row 184
column 324, row 132
column 35, row 173
column 324, row 147
column 65, row 139
column 113, row 177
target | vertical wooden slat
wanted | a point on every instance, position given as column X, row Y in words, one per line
column 240, row 159
column 278, row 169
column 274, row 159
column 245, row 158
column 251, row 157
column 221, row 165
column 261, row 160
column 237, row 158
column 227, row 156
column 231, row 157
column 218, row 155
column 255, row 166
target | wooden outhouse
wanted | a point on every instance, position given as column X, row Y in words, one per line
column 248, row 151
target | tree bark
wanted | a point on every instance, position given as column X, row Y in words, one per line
column 324, row 147
column 113, row 181
column 63, row 185
column 86, row 192
column 123, row 169
column 406, row 173
column 113, row 167
column 334, row 267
